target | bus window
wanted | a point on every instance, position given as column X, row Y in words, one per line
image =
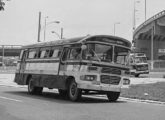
column 98, row 52
column 32, row 54
column 55, row 52
column 21, row 54
column 44, row 53
column 120, row 55
column 75, row 53
column 65, row 54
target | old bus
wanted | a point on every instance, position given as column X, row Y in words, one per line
column 75, row 66
column 138, row 63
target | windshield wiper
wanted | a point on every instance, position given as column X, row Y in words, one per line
column 99, row 60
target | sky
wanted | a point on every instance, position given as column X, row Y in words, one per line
column 19, row 20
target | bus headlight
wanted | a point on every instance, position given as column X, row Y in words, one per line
column 88, row 77
column 126, row 81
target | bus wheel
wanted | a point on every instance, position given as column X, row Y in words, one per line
column 74, row 93
column 32, row 89
column 113, row 96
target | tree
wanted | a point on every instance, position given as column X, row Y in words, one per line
column 2, row 4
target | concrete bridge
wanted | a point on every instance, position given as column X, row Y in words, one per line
column 10, row 50
column 149, row 37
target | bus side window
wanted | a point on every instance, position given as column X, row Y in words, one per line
column 65, row 54
column 46, row 53
column 55, row 52
column 21, row 54
column 42, row 53
column 75, row 53
column 32, row 54
column 39, row 53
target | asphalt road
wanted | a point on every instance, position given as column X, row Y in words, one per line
column 17, row 104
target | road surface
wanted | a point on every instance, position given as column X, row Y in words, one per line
column 17, row 104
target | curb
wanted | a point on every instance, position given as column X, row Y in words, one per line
column 103, row 96
column 142, row 101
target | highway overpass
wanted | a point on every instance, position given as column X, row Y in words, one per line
column 10, row 50
column 149, row 38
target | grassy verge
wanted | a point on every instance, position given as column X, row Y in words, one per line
column 155, row 91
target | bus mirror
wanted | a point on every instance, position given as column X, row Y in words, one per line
column 83, row 47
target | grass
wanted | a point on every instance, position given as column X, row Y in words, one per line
column 155, row 92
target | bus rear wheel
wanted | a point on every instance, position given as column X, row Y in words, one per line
column 74, row 93
column 32, row 89
column 113, row 96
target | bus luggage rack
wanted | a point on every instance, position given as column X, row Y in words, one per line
column 106, row 79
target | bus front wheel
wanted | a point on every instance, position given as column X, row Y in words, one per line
column 113, row 96
column 32, row 89
column 74, row 93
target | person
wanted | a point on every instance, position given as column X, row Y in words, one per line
column 76, row 53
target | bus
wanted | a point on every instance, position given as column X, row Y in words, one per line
column 76, row 66
column 139, row 64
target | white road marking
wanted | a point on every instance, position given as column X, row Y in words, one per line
column 6, row 98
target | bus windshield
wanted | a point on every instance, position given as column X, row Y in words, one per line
column 104, row 53
column 140, row 60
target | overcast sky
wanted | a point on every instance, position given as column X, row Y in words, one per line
column 19, row 21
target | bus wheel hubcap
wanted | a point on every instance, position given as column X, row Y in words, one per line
column 73, row 89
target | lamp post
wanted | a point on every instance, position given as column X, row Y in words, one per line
column 134, row 14
column 45, row 28
column 48, row 24
column 145, row 9
column 115, row 27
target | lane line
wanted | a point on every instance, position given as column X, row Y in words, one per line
column 6, row 98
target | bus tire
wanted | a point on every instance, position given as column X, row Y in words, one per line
column 32, row 89
column 113, row 96
column 74, row 93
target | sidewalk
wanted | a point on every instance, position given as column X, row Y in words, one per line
column 7, row 80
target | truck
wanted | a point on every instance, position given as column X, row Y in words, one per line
column 138, row 64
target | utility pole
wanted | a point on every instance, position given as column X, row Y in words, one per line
column 39, row 27
column 152, row 46
column 62, row 33
column 145, row 9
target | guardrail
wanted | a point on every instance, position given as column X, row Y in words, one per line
column 10, row 46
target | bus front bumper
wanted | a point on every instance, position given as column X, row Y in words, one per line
column 93, row 87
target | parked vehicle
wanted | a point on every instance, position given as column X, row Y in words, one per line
column 138, row 63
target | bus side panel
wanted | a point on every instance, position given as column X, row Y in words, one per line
column 49, row 81
column 53, row 81
column 20, row 78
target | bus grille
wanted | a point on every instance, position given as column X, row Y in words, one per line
column 111, row 70
column 106, row 79
column 142, row 67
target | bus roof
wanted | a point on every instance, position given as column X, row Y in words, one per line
column 95, row 38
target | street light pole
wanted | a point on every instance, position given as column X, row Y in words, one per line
column 48, row 24
column 115, row 27
column 145, row 9
column 39, row 27
column 45, row 28
column 134, row 14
